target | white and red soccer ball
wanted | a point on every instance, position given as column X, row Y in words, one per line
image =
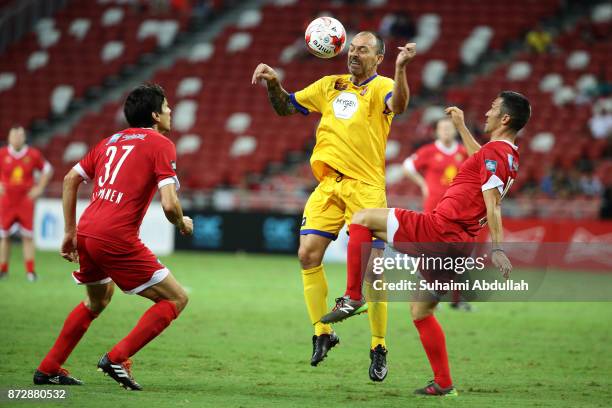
column 325, row 37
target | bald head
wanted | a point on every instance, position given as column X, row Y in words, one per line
column 365, row 54
column 375, row 40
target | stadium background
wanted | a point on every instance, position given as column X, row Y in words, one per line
column 65, row 67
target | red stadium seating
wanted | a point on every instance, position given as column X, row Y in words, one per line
column 71, row 61
column 226, row 89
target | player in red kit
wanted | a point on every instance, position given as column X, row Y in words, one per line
column 19, row 189
column 472, row 200
column 433, row 167
column 126, row 169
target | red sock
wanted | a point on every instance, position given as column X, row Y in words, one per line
column 357, row 259
column 75, row 326
column 432, row 337
column 151, row 324
column 29, row 266
column 4, row 267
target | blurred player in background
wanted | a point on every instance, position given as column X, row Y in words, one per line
column 126, row 170
column 472, row 201
column 19, row 190
column 433, row 167
column 349, row 162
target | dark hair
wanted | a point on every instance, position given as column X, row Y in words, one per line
column 141, row 103
column 380, row 43
column 517, row 107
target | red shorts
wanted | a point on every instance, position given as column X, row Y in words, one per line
column 419, row 234
column 132, row 267
column 16, row 214
column 407, row 226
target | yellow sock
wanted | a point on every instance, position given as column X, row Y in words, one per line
column 377, row 315
column 315, row 295
column 376, row 341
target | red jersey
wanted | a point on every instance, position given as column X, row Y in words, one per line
column 495, row 165
column 438, row 165
column 126, row 169
column 17, row 169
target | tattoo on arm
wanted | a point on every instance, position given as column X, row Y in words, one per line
column 279, row 99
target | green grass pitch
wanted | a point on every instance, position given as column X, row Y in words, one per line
column 245, row 341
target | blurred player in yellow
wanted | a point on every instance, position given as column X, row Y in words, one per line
column 349, row 162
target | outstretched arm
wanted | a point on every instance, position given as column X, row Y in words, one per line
column 401, row 93
column 279, row 98
column 470, row 143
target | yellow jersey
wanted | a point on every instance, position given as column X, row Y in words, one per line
column 355, row 122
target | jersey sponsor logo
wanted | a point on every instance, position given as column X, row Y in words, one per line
column 139, row 136
column 114, row 138
column 345, row 105
column 513, row 165
column 491, row 165
column 303, row 221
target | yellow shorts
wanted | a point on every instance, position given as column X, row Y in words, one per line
column 334, row 201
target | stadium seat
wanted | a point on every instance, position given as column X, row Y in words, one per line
column 74, row 152
column 60, row 98
column 188, row 144
column 184, row 115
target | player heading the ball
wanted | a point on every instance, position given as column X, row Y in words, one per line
column 349, row 162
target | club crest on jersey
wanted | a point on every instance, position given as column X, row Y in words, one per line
column 340, row 84
column 491, row 165
column 114, row 138
column 513, row 165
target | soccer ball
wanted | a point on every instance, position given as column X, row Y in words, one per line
column 325, row 37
